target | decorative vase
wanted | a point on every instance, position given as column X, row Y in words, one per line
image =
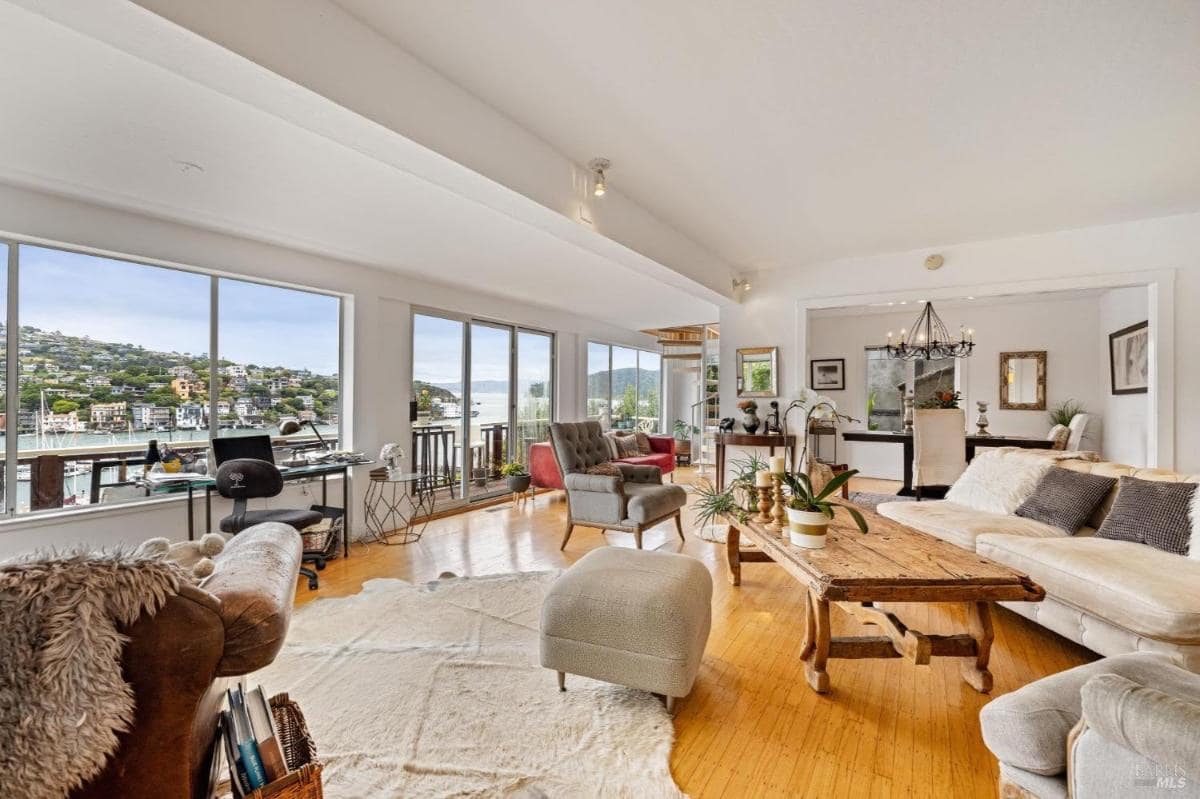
column 807, row 528
column 751, row 422
column 982, row 421
column 519, row 483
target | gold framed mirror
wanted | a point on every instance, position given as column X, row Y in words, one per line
column 758, row 372
column 1023, row 381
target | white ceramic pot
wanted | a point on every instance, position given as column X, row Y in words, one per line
column 807, row 528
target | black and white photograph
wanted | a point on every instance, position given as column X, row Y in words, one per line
column 1129, row 359
column 828, row 374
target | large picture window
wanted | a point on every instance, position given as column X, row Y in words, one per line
column 112, row 353
column 624, row 387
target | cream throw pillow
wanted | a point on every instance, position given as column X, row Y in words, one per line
column 999, row 480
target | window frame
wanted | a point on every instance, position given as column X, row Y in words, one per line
column 9, row 511
column 637, row 382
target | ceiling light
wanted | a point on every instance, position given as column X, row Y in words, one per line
column 744, row 285
column 597, row 166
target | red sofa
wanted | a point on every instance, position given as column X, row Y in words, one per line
column 544, row 469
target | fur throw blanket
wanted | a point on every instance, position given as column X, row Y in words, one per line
column 63, row 699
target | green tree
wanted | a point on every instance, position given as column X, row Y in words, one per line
column 627, row 409
column 64, row 406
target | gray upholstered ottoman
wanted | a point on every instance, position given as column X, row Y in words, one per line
column 632, row 617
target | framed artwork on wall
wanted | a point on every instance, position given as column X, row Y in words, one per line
column 1129, row 359
column 827, row 374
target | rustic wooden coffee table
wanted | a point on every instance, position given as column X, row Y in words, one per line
column 891, row 563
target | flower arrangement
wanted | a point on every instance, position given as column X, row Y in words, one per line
column 946, row 400
column 747, row 406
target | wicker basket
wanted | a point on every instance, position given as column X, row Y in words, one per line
column 304, row 779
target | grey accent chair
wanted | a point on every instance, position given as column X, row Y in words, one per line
column 1119, row 728
column 631, row 503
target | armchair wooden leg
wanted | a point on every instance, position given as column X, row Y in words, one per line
column 679, row 525
column 567, row 535
column 562, row 681
column 637, row 537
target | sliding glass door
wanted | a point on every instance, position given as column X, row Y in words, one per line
column 490, row 393
column 484, row 393
column 535, row 387
column 438, row 366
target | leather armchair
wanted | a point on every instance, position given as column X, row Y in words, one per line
column 180, row 660
column 631, row 503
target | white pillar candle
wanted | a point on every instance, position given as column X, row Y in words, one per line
column 778, row 464
column 762, row 478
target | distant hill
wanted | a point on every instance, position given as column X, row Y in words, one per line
column 622, row 378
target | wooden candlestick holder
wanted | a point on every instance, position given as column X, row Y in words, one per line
column 764, row 504
column 777, row 512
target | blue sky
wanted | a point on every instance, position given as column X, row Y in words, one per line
column 437, row 352
column 167, row 309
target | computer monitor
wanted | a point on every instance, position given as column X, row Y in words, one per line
column 227, row 448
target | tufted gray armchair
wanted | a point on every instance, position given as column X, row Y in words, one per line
column 631, row 503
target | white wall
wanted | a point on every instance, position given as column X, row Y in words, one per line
column 346, row 61
column 1066, row 329
column 1169, row 245
column 1124, row 433
column 378, row 340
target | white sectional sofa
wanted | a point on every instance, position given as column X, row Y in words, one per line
column 1113, row 597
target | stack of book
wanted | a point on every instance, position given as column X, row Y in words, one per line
column 250, row 741
column 380, row 474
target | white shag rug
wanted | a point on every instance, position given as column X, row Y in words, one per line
column 435, row 691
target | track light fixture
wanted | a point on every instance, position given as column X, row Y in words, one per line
column 597, row 167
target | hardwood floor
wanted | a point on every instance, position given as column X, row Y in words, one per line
column 751, row 726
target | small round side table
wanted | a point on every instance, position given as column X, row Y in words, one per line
column 394, row 499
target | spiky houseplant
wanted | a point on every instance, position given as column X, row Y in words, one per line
column 711, row 504
column 1065, row 411
column 742, row 481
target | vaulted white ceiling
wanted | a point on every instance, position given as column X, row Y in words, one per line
column 780, row 132
column 104, row 123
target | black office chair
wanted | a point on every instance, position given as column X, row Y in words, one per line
column 243, row 479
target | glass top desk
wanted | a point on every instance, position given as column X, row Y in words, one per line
column 208, row 484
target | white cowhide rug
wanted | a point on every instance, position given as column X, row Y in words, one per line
column 435, row 691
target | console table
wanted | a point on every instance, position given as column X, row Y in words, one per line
column 972, row 443
column 771, row 441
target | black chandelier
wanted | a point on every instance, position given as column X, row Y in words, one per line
column 929, row 340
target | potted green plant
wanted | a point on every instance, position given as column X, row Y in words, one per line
column 683, row 439
column 741, row 482
column 711, row 504
column 517, row 476
column 809, row 512
column 1065, row 411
